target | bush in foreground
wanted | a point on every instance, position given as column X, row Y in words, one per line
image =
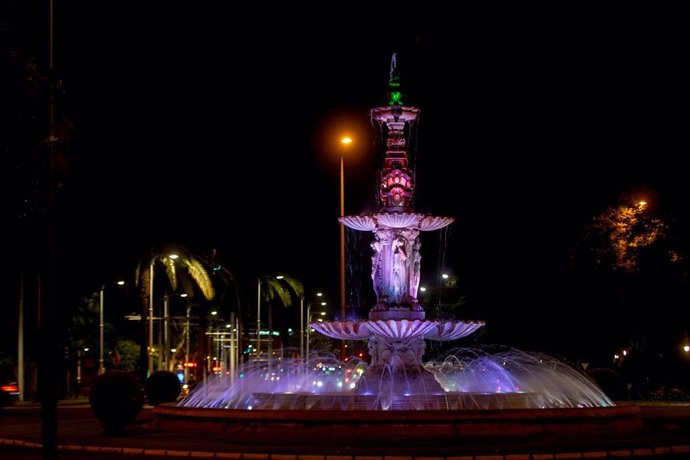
column 116, row 399
column 162, row 387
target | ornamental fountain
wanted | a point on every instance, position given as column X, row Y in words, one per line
column 397, row 327
column 466, row 393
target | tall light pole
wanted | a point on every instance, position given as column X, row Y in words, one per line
column 101, row 328
column 186, row 339
column 258, row 322
column 304, row 322
column 344, row 142
column 150, row 344
column 308, row 321
column 301, row 327
column 321, row 313
column 150, row 338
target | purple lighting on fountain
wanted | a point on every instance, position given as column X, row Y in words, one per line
column 397, row 327
column 396, row 330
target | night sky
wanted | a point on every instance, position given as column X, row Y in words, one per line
column 190, row 129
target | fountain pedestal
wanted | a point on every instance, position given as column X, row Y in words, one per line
column 396, row 328
column 396, row 369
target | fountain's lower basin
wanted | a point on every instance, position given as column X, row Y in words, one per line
column 444, row 401
column 298, row 426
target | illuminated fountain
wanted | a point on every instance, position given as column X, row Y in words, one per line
column 326, row 392
column 396, row 328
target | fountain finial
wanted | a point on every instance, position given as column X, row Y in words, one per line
column 394, row 94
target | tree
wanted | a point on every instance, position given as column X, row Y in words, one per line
column 628, row 238
column 182, row 269
column 227, row 294
column 128, row 351
column 280, row 290
column 629, row 260
column 80, row 340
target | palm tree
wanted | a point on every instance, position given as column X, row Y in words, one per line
column 182, row 268
column 278, row 289
column 227, row 294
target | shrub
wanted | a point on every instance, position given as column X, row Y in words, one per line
column 162, row 387
column 116, row 399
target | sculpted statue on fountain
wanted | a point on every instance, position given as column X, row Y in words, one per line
column 395, row 268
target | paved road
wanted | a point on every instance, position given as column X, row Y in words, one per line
column 666, row 435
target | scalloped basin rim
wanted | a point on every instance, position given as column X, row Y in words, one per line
column 411, row 220
column 397, row 329
column 515, row 415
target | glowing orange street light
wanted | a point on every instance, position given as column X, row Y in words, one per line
column 345, row 142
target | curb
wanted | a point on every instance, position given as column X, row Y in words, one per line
column 618, row 453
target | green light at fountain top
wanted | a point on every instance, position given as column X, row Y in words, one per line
column 394, row 94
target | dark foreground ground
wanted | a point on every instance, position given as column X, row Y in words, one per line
column 665, row 434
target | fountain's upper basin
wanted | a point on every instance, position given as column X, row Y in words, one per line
column 397, row 329
column 410, row 220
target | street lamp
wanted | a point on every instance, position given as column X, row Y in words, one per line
column 164, row 356
column 150, row 338
column 344, row 142
column 309, row 315
column 150, row 344
column 258, row 323
column 304, row 321
column 101, row 327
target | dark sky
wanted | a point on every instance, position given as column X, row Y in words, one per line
column 215, row 130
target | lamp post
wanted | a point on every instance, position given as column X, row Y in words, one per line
column 301, row 328
column 186, row 339
column 344, row 142
column 258, row 322
column 321, row 313
column 269, row 348
column 164, row 356
column 150, row 338
column 304, row 322
column 101, row 328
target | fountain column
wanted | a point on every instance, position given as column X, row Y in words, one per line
column 397, row 327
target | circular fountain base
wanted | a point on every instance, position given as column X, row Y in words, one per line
column 386, row 427
column 438, row 402
column 399, row 383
